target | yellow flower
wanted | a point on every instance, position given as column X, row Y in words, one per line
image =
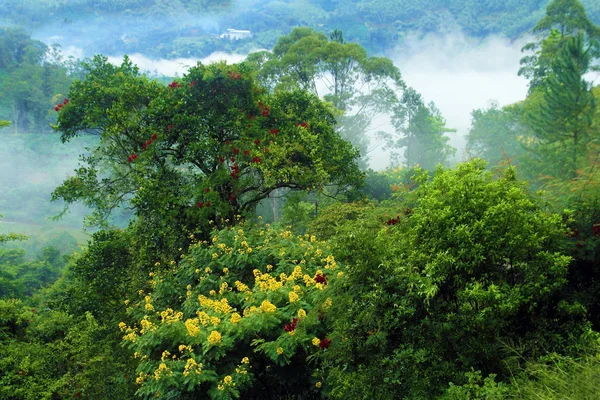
column 279, row 350
column 235, row 318
column 318, row 384
column 212, row 293
column 267, row 307
column 316, row 341
column 301, row 313
column 225, row 271
column 215, row 321
column 227, row 380
column 214, row 256
column 292, row 333
column 149, row 307
column 192, row 326
column 214, row 337
column 313, row 238
column 126, row 302
column 244, row 244
column 122, row 326
column 245, row 360
column 340, row 274
column 165, row 354
column 293, row 297
column 207, row 270
column 140, row 379
column 249, row 249
column 269, row 267
column 327, row 303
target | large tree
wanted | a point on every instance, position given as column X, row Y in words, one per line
column 362, row 88
column 205, row 148
column 563, row 20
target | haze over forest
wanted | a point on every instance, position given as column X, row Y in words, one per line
column 299, row 199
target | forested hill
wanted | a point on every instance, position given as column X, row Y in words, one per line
column 176, row 28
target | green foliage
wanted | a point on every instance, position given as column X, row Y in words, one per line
column 207, row 148
column 32, row 75
column 51, row 354
column 239, row 317
column 560, row 377
column 564, row 126
column 420, row 130
column 495, row 133
column 438, row 290
column 360, row 87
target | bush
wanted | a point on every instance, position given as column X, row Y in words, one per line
column 241, row 316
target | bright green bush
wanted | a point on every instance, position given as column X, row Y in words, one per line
column 436, row 290
column 239, row 317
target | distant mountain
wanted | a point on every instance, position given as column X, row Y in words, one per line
column 195, row 28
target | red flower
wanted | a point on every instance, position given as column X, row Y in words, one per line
column 256, row 160
column 174, row 85
column 290, row 327
column 324, row 343
column 232, row 159
column 57, row 108
column 144, row 146
column 393, row 221
column 232, row 197
column 221, row 160
column 200, row 204
column 246, row 152
column 265, row 112
column 207, row 190
column 235, row 150
column 193, row 83
column 249, row 125
column 66, row 101
column 154, row 136
column 132, row 157
column 274, row 131
column 257, row 142
column 321, row 278
column 304, row 125
column 208, row 204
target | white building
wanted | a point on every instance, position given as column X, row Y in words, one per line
column 235, row 34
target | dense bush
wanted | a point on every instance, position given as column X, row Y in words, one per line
column 241, row 316
column 444, row 287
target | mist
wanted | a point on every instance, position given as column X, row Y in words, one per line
column 460, row 74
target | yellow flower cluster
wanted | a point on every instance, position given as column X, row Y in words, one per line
column 316, row 341
column 293, row 297
column 192, row 326
column 245, row 360
column 214, row 337
column 183, row 347
column 169, row 316
column 235, row 318
column 267, row 307
column 220, row 306
column 140, row 378
column 331, row 263
column 327, row 303
column 279, row 350
column 266, row 282
column 161, row 371
column 242, row 287
column 192, row 365
column 203, row 317
column 148, row 305
column 146, row 324
column 301, row 313
column 165, row 355
column 249, row 311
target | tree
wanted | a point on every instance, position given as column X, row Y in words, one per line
column 494, row 134
column 440, row 284
column 420, row 130
column 563, row 19
column 363, row 88
column 564, row 124
column 206, row 148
